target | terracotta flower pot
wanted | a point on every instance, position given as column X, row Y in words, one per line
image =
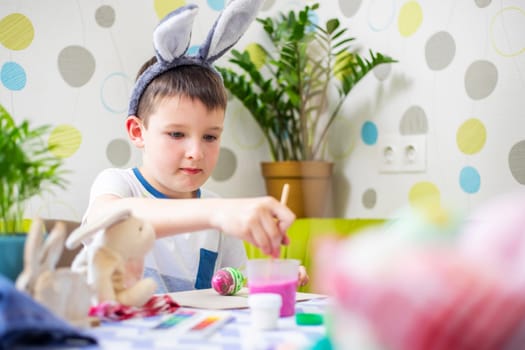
column 310, row 185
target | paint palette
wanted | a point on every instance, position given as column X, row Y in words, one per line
column 194, row 323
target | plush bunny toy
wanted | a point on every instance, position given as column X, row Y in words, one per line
column 119, row 238
column 61, row 290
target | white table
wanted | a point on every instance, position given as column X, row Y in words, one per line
column 237, row 334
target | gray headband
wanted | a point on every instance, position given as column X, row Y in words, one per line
column 172, row 35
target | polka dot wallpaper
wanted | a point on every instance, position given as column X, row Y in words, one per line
column 460, row 82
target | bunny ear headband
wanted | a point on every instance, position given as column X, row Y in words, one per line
column 172, row 37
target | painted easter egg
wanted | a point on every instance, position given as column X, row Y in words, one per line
column 227, row 281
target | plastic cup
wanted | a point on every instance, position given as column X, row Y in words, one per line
column 278, row 276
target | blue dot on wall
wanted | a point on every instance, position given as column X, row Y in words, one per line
column 114, row 92
column 13, row 76
column 469, row 180
column 369, row 133
column 314, row 18
column 193, row 50
column 217, row 5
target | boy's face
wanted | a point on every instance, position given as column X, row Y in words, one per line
column 180, row 145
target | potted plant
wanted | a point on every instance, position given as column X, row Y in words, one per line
column 27, row 168
column 297, row 93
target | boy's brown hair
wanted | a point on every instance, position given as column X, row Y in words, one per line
column 192, row 81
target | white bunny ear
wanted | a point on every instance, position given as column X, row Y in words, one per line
column 84, row 231
column 229, row 28
column 172, row 36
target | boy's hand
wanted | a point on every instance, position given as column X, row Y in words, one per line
column 303, row 276
column 261, row 221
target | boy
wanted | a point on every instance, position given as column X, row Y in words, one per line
column 176, row 118
column 178, row 125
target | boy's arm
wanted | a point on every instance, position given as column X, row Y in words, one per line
column 261, row 221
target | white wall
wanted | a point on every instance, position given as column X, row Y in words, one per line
column 460, row 82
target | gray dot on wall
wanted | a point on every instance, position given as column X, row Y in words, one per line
column 349, row 7
column 382, row 71
column 226, row 165
column 76, row 65
column 340, row 130
column 369, row 198
column 414, row 121
column 105, row 16
column 517, row 161
column 481, row 79
column 482, row 3
column 440, row 50
column 118, row 152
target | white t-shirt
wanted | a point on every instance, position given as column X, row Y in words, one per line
column 183, row 261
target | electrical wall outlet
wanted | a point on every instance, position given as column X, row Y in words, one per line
column 402, row 153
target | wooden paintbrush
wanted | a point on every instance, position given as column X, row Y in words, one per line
column 284, row 194
column 284, row 199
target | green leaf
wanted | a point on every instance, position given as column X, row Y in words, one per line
column 332, row 25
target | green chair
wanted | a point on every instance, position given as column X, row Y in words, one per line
column 303, row 234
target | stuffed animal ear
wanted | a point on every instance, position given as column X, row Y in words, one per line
column 53, row 246
column 32, row 249
column 172, row 36
column 229, row 28
column 84, row 231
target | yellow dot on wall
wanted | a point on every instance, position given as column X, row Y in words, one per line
column 505, row 45
column 425, row 195
column 163, row 7
column 257, row 54
column 342, row 59
column 16, row 31
column 471, row 136
column 410, row 18
column 66, row 140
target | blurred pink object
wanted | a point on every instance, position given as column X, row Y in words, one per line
column 418, row 294
column 494, row 236
column 435, row 301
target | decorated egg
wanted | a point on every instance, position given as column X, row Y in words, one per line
column 227, row 281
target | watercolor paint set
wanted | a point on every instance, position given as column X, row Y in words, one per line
column 193, row 323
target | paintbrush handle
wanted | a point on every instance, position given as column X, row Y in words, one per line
column 284, row 193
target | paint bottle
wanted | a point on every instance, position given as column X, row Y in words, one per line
column 264, row 310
